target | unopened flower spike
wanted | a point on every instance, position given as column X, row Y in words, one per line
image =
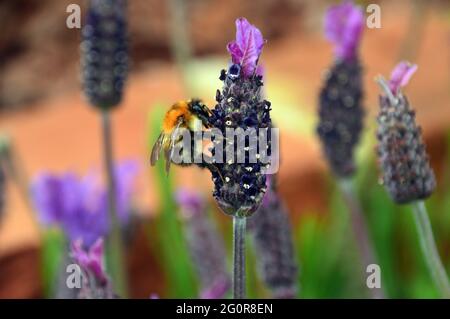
column 407, row 174
column 406, row 171
column 105, row 52
column 239, row 187
column 205, row 245
column 274, row 247
column 340, row 111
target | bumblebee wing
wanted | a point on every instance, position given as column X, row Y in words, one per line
column 156, row 150
column 168, row 153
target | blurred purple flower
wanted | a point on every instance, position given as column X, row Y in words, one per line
column 247, row 47
column 92, row 260
column 79, row 205
column 343, row 26
column 190, row 202
column 401, row 75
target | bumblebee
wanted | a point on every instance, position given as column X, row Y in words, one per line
column 191, row 115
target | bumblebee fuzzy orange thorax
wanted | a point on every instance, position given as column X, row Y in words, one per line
column 179, row 109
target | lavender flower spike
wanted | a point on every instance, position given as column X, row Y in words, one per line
column 407, row 174
column 105, row 52
column 96, row 283
column 274, row 248
column 247, row 47
column 205, row 246
column 343, row 26
column 239, row 187
column 341, row 111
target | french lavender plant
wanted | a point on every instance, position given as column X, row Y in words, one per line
column 95, row 281
column 104, row 70
column 239, row 186
column 79, row 206
column 274, row 249
column 206, row 247
column 406, row 171
column 341, row 114
column 340, row 109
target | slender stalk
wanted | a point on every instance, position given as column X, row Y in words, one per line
column 429, row 249
column 179, row 34
column 115, row 243
column 239, row 227
column 18, row 174
column 360, row 231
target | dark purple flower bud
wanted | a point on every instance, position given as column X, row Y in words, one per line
column 247, row 47
column 105, row 52
column 341, row 116
column 406, row 171
column 79, row 205
column 95, row 283
column 343, row 26
column 239, row 186
column 274, row 249
column 205, row 245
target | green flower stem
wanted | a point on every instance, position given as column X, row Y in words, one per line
column 114, row 242
column 429, row 249
column 360, row 231
column 239, row 227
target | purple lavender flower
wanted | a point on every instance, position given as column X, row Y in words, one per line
column 95, row 283
column 407, row 174
column 205, row 246
column 340, row 110
column 247, row 47
column 239, row 187
column 343, row 26
column 79, row 205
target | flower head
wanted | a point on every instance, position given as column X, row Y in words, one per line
column 79, row 205
column 105, row 52
column 247, row 47
column 239, row 185
column 343, row 26
column 341, row 116
column 406, row 171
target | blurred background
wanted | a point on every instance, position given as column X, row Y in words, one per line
column 51, row 127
